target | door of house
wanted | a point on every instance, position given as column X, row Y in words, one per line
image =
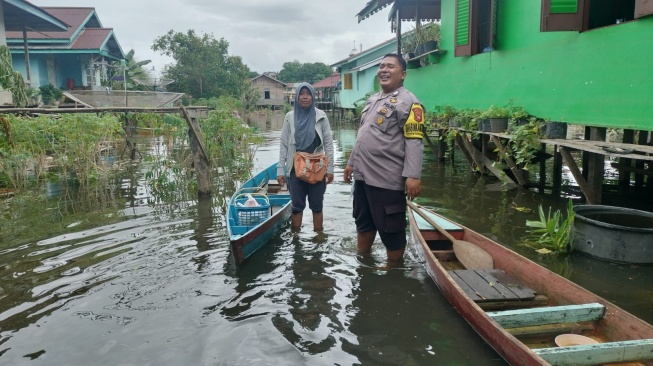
column 52, row 70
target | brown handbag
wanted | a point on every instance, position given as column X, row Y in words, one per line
column 309, row 167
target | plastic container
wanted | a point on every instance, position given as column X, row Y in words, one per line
column 614, row 234
column 252, row 215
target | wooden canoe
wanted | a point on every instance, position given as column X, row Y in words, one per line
column 250, row 228
column 520, row 307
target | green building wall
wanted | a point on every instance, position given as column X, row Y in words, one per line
column 602, row 77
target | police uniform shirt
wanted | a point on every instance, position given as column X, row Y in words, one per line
column 389, row 145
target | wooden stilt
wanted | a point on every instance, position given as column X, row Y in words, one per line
column 518, row 173
column 596, row 167
column 200, row 158
column 642, row 139
column 582, row 183
column 557, row 171
column 542, row 184
column 624, row 174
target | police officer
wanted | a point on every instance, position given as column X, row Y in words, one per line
column 386, row 162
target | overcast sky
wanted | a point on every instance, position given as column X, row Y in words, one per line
column 265, row 33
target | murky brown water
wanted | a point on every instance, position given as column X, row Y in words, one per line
column 106, row 278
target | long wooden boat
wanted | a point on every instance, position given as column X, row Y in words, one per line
column 520, row 308
column 250, row 228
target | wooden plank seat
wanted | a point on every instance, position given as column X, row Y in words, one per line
column 548, row 315
column 602, row 353
column 492, row 285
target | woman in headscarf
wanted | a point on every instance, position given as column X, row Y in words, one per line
column 307, row 129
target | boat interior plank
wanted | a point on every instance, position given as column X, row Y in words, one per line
column 538, row 300
column 488, row 287
column 551, row 329
column 610, row 352
column 548, row 315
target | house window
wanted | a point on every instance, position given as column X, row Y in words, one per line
column 267, row 94
column 476, row 27
column 581, row 15
column 347, row 83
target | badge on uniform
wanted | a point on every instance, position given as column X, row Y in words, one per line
column 414, row 126
column 393, row 100
column 384, row 110
column 379, row 120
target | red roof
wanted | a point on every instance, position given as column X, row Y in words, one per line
column 91, row 38
column 328, row 82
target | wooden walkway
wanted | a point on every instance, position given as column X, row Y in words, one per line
column 633, row 159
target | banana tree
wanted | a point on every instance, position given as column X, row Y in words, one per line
column 130, row 70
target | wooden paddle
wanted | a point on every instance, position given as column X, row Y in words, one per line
column 470, row 255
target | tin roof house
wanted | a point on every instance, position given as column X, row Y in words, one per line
column 327, row 91
column 19, row 15
column 77, row 58
column 358, row 73
column 272, row 92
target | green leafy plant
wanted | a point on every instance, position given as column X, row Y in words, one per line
column 448, row 112
column 430, row 32
column 495, row 112
column 468, row 118
column 408, row 43
column 551, row 231
column 12, row 80
column 525, row 142
column 50, row 93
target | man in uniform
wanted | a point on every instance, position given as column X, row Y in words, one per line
column 386, row 162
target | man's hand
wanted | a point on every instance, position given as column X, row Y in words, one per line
column 328, row 178
column 281, row 179
column 348, row 172
column 413, row 187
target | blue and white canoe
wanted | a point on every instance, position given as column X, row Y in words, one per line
column 250, row 228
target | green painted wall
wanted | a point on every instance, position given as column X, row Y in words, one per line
column 601, row 77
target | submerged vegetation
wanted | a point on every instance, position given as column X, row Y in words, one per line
column 88, row 149
column 73, row 143
column 551, row 232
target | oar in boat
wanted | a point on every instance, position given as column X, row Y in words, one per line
column 470, row 255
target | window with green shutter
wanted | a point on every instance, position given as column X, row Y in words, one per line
column 476, row 26
column 582, row 15
column 564, row 6
column 462, row 22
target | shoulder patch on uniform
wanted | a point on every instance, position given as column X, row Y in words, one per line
column 414, row 126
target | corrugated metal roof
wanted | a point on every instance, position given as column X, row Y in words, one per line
column 328, row 82
column 91, row 38
column 20, row 13
column 372, row 7
column 353, row 57
column 75, row 17
column 428, row 9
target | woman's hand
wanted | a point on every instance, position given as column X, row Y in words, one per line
column 329, row 178
column 281, row 179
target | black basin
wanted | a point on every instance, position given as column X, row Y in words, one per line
column 613, row 233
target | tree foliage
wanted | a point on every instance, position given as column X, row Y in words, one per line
column 203, row 67
column 295, row 72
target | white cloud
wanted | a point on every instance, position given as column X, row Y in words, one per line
column 265, row 33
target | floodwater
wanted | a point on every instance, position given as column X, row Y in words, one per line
column 112, row 277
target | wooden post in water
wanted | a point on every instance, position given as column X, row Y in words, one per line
column 624, row 174
column 200, row 157
column 642, row 139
